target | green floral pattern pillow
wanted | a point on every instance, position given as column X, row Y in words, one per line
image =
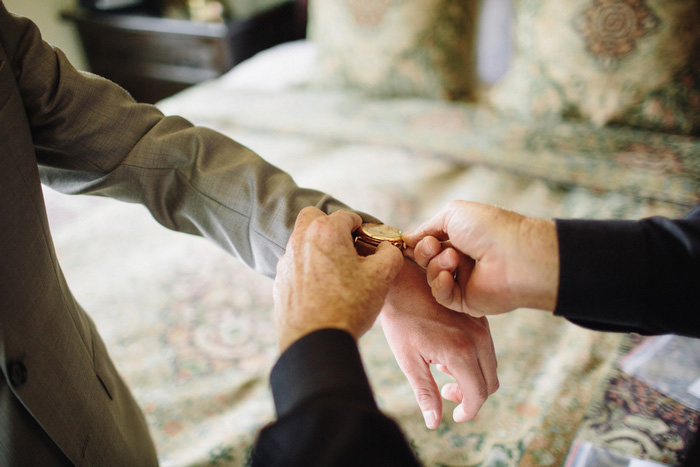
column 396, row 47
column 634, row 62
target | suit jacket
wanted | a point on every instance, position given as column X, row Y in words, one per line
column 61, row 399
column 326, row 413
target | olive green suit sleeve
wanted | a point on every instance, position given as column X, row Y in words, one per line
column 91, row 137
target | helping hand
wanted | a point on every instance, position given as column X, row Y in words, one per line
column 502, row 260
column 321, row 281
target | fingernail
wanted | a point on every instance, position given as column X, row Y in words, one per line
column 430, row 417
column 436, row 284
column 459, row 415
column 439, row 282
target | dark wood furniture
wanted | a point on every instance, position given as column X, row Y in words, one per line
column 154, row 57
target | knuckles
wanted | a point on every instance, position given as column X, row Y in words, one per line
column 324, row 231
column 424, row 396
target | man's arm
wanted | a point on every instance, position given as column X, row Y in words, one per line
column 634, row 276
column 326, row 414
column 91, row 137
column 327, row 297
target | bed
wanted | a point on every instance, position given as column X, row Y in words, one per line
column 190, row 328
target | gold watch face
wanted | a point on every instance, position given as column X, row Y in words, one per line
column 377, row 233
column 381, row 231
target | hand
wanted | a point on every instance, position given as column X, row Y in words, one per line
column 502, row 260
column 322, row 282
column 420, row 332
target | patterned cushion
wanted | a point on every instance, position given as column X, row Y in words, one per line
column 396, row 47
column 633, row 62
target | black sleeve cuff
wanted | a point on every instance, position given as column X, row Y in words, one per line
column 639, row 276
column 323, row 362
column 604, row 280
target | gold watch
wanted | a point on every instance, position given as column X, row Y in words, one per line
column 369, row 235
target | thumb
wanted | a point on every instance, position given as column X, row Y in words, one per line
column 387, row 261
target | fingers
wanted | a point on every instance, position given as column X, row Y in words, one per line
column 447, row 292
column 346, row 220
column 306, row 216
column 326, row 232
column 442, row 368
column 447, row 260
column 441, row 272
column 475, row 373
column 434, row 227
column 471, row 389
column 476, row 379
column 425, row 389
column 488, row 367
column 451, row 392
column 303, row 221
column 425, row 250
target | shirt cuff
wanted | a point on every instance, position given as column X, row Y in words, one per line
column 603, row 275
column 323, row 363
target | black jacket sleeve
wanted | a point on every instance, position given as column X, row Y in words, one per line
column 633, row 276
column 326, row 411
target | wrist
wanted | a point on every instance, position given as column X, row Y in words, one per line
column 287, row 336
column 537, row 273
column 408, row 287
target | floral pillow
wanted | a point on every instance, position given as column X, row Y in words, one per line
column 396, row 47
column 634, row 62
